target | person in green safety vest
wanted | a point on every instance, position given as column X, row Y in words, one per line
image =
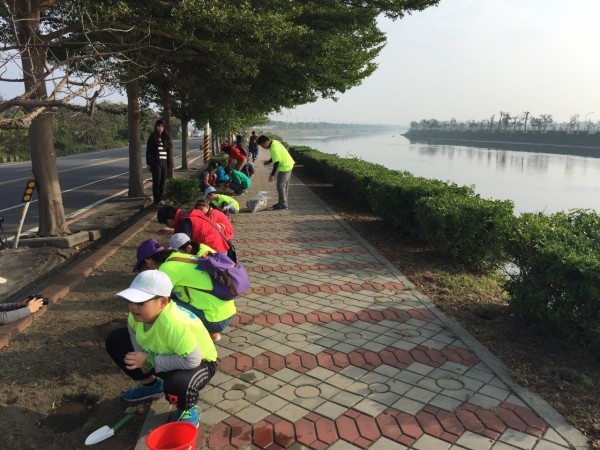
column 222, row 202
column 283, row 163
column 165, row 347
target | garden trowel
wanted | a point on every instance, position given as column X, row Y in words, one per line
column 105, row 432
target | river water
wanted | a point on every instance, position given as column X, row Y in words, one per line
column 533, row 181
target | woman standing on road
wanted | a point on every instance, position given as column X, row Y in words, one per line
column 158, row 152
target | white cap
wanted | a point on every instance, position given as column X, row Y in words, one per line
column 3, row 280
column 209, row 190
column 178, row 240
column 146, row 285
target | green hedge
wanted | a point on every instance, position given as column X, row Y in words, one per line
column 558, row 276
column 182, row 191
column 468, row 229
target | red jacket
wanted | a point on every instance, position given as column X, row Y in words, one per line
column 203, row 230
column 235, row 153
column 221, row 219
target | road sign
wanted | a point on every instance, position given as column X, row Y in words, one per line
column 28, row 191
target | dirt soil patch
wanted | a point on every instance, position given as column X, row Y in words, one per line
column 564, row 375
column 57, row 383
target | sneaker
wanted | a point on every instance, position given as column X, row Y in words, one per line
column 279, row 207
column 189, row 415
column 216, row 337
column 141, row 392
column 276, row 206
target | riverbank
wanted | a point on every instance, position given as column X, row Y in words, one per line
column 581, row 144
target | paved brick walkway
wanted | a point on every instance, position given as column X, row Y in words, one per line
column 333, row 348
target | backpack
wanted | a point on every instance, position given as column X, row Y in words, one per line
column 230, row 280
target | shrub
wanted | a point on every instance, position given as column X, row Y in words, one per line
column 466, row 228
column 395, row 195
column 558, row 277
column 182, row 190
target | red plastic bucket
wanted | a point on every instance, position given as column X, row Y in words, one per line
column 173, row 436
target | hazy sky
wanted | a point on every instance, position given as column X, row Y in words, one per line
column 470, row 59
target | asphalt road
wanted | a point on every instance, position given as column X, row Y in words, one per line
column 85, row 179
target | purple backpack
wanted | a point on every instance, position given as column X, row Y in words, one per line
column 230, row 280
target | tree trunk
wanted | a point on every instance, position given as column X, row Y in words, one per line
column 167, row 110
column 136, row 185
column 52, row 221
column 184, row 143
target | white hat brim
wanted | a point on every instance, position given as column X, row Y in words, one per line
column 135, row 295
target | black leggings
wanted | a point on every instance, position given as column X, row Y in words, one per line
column 159, row 175
column 181, row 387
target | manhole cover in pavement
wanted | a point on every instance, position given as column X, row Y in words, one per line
column 307, row 391
column 296, row 337
column 450, row 383
column 234, row 394
column 379, row 387
column 289, row 303
column 353, row 335
column 238, row 339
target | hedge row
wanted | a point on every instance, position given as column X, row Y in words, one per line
column 556, row 258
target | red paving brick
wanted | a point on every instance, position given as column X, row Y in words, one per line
column 229, row 434
column 301, row 361
column 273, row 433
column 316, row 431
column 429, row 423
column 329, row 287
column 399, row 426
column 427, row 356
column 532, row 421
column 359, row 250
column 460, row 356
column 235, row 364
column 268, row 362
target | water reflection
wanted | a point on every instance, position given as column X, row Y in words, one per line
column 534, row 181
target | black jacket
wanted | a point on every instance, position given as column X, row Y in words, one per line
column 152, row 154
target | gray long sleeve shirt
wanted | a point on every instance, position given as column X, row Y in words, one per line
column 11, row 312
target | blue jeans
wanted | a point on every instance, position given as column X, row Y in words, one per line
column 212, row 327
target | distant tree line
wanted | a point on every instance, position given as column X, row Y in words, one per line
column 75, row 132
column 509, row 123
column 348, row 127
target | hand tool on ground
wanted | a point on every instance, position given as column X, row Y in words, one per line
column 105, row 432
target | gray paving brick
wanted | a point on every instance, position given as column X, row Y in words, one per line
column 445, row 402
column 474, row 441
column 518, row 439
column 427, row 442
column 408, row 405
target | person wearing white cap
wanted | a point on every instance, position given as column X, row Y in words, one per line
column 181, row 242
column 165, row 348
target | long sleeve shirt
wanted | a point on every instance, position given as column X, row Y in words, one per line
column 11, row 312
